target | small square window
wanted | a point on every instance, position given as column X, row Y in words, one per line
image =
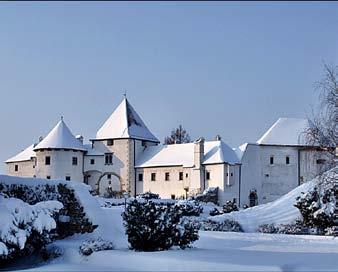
column 153, row 176
column 167, row 176
column 68, row 178
column 74, row 160
column 47, row 160
column 140, row 177
column 173, row 197
column 287, row 160
column 16, row 168
column 48, row 177
column 92, row 161
column 271, row 160
column 108, row 176
column 180, row 176
column 208, row 175
column 110, row 142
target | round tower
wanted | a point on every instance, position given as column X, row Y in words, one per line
column 60, row 155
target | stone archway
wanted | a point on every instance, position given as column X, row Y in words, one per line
column 105, row 174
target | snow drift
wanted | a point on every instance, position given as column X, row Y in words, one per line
column 280, row 211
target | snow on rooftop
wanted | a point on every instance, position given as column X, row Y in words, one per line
column 60, row 137
column 183, row 154
column 124, row 122
column 24, row 155
column 240, row 150
column 92, row 151
column 286, row 131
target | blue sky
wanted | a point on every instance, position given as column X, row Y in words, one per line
column 227, row 68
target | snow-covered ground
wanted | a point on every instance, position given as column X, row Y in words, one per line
column 278, row 212
column 214, row 251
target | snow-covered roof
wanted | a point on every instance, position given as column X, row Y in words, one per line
column 240, row 150
column 24, row 155
column 124, row 122
column 183, row 154
column 60, row 137
column 92, row 151
column 286, row 131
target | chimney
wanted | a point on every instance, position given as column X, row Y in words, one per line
column 198, row 152
column 80, row 138
column 218, row 138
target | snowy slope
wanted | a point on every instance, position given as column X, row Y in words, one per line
column 278, row 211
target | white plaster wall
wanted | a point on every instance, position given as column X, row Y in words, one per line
column 278, row 178
column 162, row 187
column 25, row 169
column 61, row 164
column 250, row 174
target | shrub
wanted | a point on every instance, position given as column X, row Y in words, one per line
column 154, row 227
column 294, row 228
column 226, row 225
column 230, row 206
column 190, row 207
column 318, row 205
column 148, row 195
column 215, row 212
column 91, row 245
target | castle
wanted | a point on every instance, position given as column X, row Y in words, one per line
column 126, row 156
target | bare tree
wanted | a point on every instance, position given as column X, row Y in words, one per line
column 178, row 136
column 322, row 129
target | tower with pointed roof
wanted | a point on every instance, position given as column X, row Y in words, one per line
column 121, row 139
column 59, row 155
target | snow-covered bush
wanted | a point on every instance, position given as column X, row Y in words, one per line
column 148, row 195
column 190, row 207
column 293, row 228
column 25, row 228
column 317, row 206
column 95, row 244
column 209, row 195
column 153, row 227
column 215, row 212
column 226, row 225
column 230, row 206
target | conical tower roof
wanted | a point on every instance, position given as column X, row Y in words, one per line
column 124, row 122
column 60, row 137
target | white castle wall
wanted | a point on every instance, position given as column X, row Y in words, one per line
column 25, row 168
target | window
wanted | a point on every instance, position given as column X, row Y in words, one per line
column 108, row 176
column 140, row 177
column 167, row 176
column 208, row 175
column 173, row 197
column 74, row 161
column 320, row 161
column 109, row 158
column 231, row 174
column 186, row 175
column 271, row 160
column 67, row 177
column 16, row 168
column 47, row 160
column 92, row 161
column 48, row 177
column 110, row 142
column 287, row 160
column 227, row 174
column 153, row 176
column 180, row 176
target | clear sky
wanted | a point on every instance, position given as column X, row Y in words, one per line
column 216, row 68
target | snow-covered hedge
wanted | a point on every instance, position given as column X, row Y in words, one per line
column 226, row 225
column 153, row 227
column 23, row 225
column 189, row 207
column 80, row 213
column 95, row 244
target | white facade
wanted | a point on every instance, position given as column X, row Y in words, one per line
column 126, row 156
